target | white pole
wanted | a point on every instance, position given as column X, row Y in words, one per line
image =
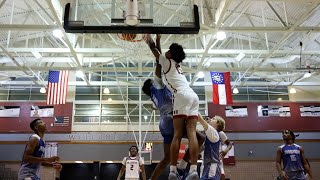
column 140, row 114
column 132, row 13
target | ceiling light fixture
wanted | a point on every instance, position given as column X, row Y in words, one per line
column 235, row 91
column 307, row 75
column 292, row 90
column 221, row 35
column 57, row 33
column 109, row 99
column 43, row 90
column 106, row 90
column 200, row 74
column 79, row 74
column 78, row 161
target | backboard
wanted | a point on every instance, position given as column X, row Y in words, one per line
column 132, row 16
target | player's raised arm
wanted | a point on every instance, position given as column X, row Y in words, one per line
column 152, row 46
column 158, row 44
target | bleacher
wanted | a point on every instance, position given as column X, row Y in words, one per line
column 7, row 173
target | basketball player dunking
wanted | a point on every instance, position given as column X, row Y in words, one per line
column 132, row 165
column 185, row 106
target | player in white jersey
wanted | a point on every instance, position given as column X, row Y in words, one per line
column 185, row 105
column 132, row 165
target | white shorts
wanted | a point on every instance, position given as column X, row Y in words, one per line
column 186, row 103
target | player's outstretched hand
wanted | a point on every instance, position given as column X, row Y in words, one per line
column 284, row 176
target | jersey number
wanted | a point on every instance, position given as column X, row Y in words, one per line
column 293, row 158
column 131, row 167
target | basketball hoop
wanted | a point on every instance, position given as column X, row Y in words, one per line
column 132, row 37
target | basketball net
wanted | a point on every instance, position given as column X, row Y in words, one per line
column 133, row 45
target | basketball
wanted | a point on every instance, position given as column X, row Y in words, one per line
column 128, row 37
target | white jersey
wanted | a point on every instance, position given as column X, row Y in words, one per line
column 173, row 74
column 132, row 167
column 223, row 138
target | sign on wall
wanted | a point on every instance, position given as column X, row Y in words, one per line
column 275, row 111
column 9, row 111
column 236, row 111
column 148, row 146
column 51, row 149
column 310, row 111
column 41, row 111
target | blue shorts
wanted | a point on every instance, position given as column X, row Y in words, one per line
column 298, row 175
column 211, row 171
column 166, row 129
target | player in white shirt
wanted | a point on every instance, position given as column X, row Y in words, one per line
column 185, row 105
column 132, row 165
column 211, row 157
column 224, row 140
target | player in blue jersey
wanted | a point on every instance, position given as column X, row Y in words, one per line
column 161, row 96
column 292, row 157
column 211, row 156
column 33, row 156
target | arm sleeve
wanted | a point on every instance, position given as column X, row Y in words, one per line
column 223, row 137
column 124, row 161
column 158, row 83
column 212, row 134
column 165, row 63
column 141, row 161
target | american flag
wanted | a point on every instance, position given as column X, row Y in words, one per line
column 221, row 88
column 57, row 87
column 61, row 121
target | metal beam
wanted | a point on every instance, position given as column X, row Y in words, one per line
column 277, row 15
column 219, row 16
column 204, row 29
column 146, row 69
column 240, row 29
column 22, row 68
column 27, row 27
column 2, row 3
column 207, row 83
column 284, row 38
column 120, row 51
column 66, row 39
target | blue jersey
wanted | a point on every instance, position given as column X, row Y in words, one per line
column 162, row 98
column 32, row 170
column 291, row 157
column 211, row 146
column 211, row 157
